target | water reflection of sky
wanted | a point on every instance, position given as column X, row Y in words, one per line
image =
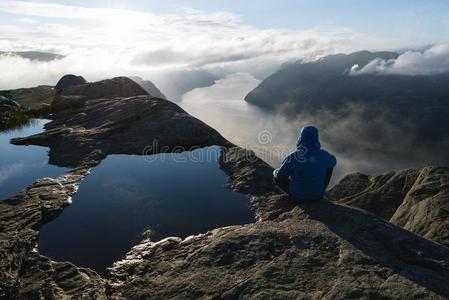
column 171, row 194
column 21, row 165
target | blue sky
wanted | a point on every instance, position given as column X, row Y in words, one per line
column 424, row 21
column 156, row 38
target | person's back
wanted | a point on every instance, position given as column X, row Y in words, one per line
column 305, row 173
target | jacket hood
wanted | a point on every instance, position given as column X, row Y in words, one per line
column 308, row 137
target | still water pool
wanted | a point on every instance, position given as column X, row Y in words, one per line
column 171, row 194
column 21, row 165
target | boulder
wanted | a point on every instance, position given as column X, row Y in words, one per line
column 69, row 80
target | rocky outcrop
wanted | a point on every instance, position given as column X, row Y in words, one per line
column 117, row 125
column 75, row 96
column 316, row 250
column 379, row 194
column 8, row 104
column 31, row 98
column 69, row 80
column 417, row 200
column 24, row 274
column 425, row 209
column 11, row 114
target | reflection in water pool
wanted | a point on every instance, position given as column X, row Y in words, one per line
column 173, row 195
column 21, row 165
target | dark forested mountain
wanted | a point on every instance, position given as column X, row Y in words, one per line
column 177, row 84
column 327, row 83
column 405, row 111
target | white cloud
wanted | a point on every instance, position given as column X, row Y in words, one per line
column 233, row 87
column 431, row 61
column 6, row 172
column 105, row 42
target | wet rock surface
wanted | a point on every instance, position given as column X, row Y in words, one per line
column 318, row 250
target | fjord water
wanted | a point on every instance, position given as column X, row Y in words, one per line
column 171, row 194
column 21, row 165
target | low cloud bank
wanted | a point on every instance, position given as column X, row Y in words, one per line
column 433, row 60
column 360, row 146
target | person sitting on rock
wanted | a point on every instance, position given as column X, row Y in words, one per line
column 306, row 173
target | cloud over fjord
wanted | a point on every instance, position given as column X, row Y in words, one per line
column 433, row 60
column 105, row 42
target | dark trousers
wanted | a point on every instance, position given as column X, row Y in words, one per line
column 283, row 184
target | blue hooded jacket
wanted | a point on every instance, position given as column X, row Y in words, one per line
column 306, row 167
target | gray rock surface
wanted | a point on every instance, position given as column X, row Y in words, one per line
column 314, row 251
column 425, row 209
column 318, row 250
column 379, row 194
column 8, row 104
column 24, row 274
column 417, row 200
column 31, row 98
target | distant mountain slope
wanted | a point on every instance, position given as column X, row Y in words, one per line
column 326, row 83
column 34, row 55
column 148, row 86
column 373, row 112
column 177, row 84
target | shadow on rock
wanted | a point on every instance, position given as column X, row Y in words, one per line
column 421, row 261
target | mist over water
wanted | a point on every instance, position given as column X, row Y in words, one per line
column 366, row 146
